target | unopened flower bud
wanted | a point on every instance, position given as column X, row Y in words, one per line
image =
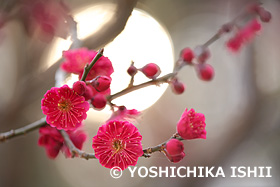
column 79, row 87
column 177, row 86
column 151, row 70
column 174, row 147
column 132, row 70
column 99, row 101
column 187, row 55
column 265, row 15
column 227, row 28
column 88, row 93
column 201, row 53
column 176, row 158
column 101, row 83
column 205, row 72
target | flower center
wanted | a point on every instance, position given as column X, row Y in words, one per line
column 118, row 145
column 64, row 105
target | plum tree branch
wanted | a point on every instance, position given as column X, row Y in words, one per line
column 23, row 130
column 105, row 35
column 73, row 149
column 114, row 27
column 129, row 89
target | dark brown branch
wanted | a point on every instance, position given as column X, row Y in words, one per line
column 113, row 28
column 23, row 130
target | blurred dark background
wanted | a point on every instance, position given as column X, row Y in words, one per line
column 241, row 104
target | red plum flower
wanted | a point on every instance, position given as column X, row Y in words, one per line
column 52, row 140
column 76, row 59
column 244, row 35
column 191, row 125
column 117, row 143
column 64, row 108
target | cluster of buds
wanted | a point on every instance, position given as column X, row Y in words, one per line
column 264, row 15
column 190, row 126
column 150, row 70
column 100, row 84
column 200, row 54
column 243, row 34
column 196, row 58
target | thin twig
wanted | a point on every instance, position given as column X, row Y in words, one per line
column 73, row 149
column 233, row 22
column 163, row 79
column 148, row 151
column 23, row 130
column 131, row 82
column 89, row 66
column 82, row 154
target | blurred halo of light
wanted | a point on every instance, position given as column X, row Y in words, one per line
column 90, row 19
column 143, row 41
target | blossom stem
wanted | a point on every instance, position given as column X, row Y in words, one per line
column 159, row 147
column 233, row 22
column 163, row 79
column 23, row 130
column 88, row 67
column 212, row 39
column 74, row 150
column 132, row 77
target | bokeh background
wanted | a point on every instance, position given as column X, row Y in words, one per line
column 241, row 104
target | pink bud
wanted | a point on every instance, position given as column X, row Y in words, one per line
column 235, row 43
column 254, row 26
column 101, row 83
column 227, row 28
column 201, row 53
column 99, row 101
column 265, row 15
column 132, row 70
column 205, row 72
column 187, row 55
column 176, row 158
column 174, row 147
column 88, row 93
column 191, row 125
column 151, row 70
column 79, row 87
column 177, row 86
